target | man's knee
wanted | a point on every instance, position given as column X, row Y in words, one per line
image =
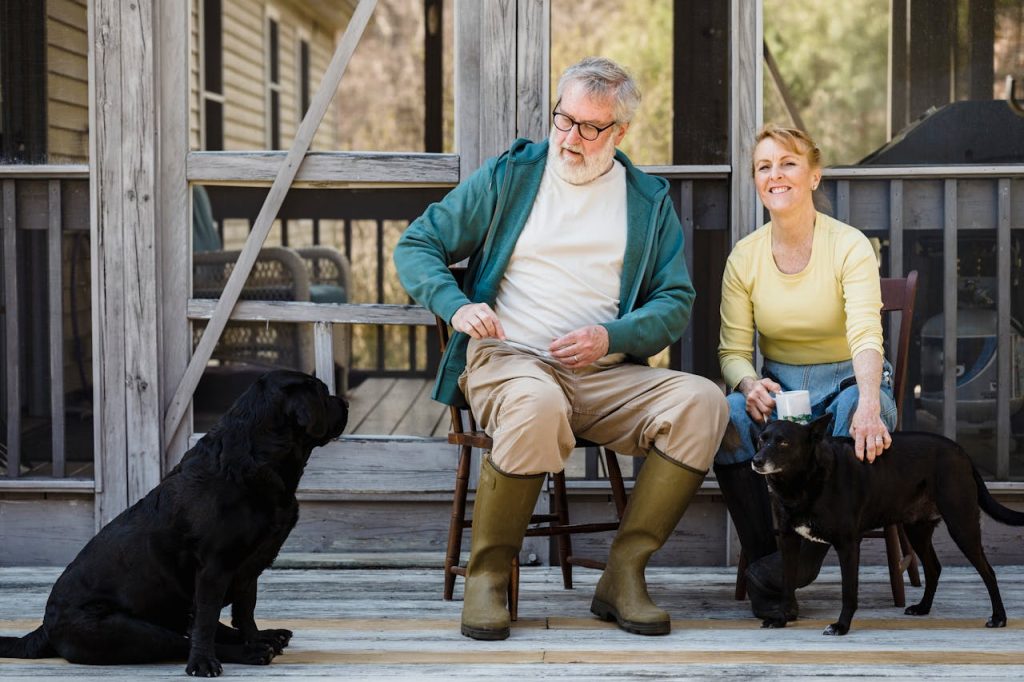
column 536, row 401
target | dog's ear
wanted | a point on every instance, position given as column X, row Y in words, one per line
column 820, row 427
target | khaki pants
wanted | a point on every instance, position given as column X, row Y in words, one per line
column 533, row 408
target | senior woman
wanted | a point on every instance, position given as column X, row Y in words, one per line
column 809, row 285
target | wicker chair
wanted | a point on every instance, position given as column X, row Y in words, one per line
column 319, row 274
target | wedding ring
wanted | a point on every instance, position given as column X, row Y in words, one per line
column 879, row 438
column 575, row 359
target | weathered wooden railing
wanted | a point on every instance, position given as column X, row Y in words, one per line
column 897, row 205
column 954, row 203
column 46, row 201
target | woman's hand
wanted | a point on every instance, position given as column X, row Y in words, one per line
column 868, row 431
column 758, row 393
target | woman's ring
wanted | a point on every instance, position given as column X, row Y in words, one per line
column 575, row 359
column 879, row 438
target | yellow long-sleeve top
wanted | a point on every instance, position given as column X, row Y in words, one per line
column 828, row 312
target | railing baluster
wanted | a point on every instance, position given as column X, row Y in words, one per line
column 843, row 201
column 949, row 303
column 381, row 360
column 13, row 342
column 686, row 361
column 1004, row 385
column 323, row 351
column 895, row 258
column 56, row 314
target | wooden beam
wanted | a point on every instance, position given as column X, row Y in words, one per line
column 325, row 169
column 304, row 312
column 303, row 138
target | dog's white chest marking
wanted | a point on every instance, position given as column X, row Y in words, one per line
column 805, row 531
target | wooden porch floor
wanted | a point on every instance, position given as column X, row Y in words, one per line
column 389, row 406
column 393, row 624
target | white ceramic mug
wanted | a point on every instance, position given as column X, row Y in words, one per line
column 794, row 406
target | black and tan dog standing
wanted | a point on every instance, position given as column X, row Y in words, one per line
column 151, row 584
column 823, row 493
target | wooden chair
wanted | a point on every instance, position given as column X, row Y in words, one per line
column 465, row 434
column 897, row 296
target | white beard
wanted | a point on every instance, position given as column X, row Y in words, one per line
column 581, row 172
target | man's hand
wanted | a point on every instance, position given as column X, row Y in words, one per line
column 758, row 393
column 479, row 321
column 581, row 347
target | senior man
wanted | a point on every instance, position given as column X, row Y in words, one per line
column 576, row 276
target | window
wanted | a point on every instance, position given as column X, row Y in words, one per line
column 302, row 87
column 273, row 83
column 212, row 74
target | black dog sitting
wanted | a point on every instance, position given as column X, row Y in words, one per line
column 151, row 585
column 824, row 493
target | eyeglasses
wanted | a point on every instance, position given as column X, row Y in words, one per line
column 588, row 131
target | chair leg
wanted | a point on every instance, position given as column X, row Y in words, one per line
column 615, row 480
column 909, row 558
column 564, row 539
column 741, row 578
column 894, row 557
column 513, row 590
column 457, row 524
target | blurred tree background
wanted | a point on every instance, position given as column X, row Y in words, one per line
column 833, row 58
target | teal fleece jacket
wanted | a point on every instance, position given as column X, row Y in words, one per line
column 482, row 218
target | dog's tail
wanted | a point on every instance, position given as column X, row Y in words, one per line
column 997, row 511
column 33, row 645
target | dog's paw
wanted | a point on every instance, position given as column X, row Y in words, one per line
column 203, row 666
column 917, row 610
column 996, row 621
column 278, row 639
column 837, row 629
column 257, row 653
column 773, row 623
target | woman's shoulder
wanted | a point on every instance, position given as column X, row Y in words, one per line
column 755, row 240
column 840, row 230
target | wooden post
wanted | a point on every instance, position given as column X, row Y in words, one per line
column 746, row 75
column 467, row 85
column 533, row 68
column 173, row 215
column 498, row 81
column 123, row 163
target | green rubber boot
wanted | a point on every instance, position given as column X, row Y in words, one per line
column 662, row 493
column 501, row 512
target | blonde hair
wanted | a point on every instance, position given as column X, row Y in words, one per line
column 793, row 139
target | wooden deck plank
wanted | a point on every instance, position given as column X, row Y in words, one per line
column 424, row 414
column 392, row 624
column 392, row 408
column 364, row 398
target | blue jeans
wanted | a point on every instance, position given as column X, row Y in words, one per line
column 833, row 390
